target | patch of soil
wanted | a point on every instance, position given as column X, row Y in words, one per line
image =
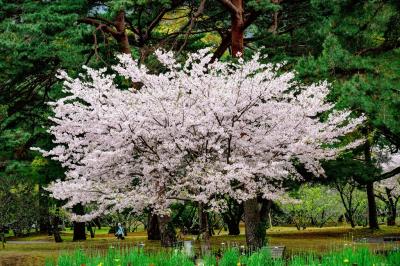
column 18, row 260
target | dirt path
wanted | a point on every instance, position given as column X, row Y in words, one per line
column 29, row 242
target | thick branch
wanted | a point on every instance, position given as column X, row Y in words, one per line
column 155, row 22
column 389, row 174
column 385, row 47
column 228, row 4
column 98, row 24
column 118, row 29
column 225, row 43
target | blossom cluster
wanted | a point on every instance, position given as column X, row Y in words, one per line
column 198, row 131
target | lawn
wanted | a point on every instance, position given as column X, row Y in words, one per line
column 319, row 240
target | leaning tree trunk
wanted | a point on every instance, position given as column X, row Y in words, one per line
column 153, row 229
column 255, row 229
column 167, row 231
column 79, row 227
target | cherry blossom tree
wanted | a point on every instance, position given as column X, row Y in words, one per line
column 198, row 131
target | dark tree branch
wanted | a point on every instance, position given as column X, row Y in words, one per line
column 225, row 43
column 389, row 174
column 156, row 21
column 392, row 137
column 193, row 19
column 385, row 47
column 98, row 24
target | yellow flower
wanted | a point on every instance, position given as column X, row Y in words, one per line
column 238, row 264
column 100, row 264
column 346, row 261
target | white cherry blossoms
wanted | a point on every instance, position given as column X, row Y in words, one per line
column 198, row 131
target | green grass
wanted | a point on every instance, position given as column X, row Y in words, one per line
column 316, row 240
column 121, row 257
column 232, row 257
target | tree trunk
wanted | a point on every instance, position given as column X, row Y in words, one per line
column 233, row 227
column 3, row 237
column 44, row 217
column 391, row 219
column 372, row 213
column 97, row 222
column 204, row 228
column 237, row 28
column 56, row 229
column 232, row 216
column 167, row 231
column 153, row 229
column 270, row 218
column 90, row 229
column 79, row 227
column 350, row 219
column 347, row 203
column 122, row 36
column 255, row 229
